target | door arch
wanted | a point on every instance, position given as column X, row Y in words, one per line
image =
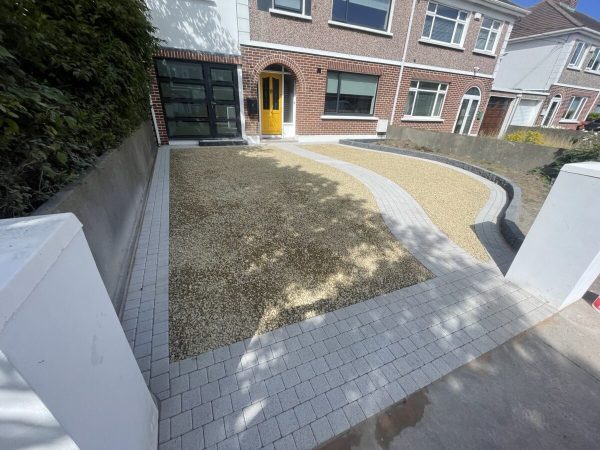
column 552, row 110
column 467, row 111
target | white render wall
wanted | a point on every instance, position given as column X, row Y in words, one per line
column 560, row 257
column 202, row 25
column 63, row 350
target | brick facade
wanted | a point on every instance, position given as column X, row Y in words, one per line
column 310, row 73
column 567, row 93
column 187, row 55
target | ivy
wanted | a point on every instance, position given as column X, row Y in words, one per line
column 74, row 82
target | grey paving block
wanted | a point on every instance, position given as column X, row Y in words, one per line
column 322, row 430
column 305, row 414
column 190, row 399
column 271, row 407
column 221, row 407
column 253, row 414
column 216, row 371
column 250, row 439
column 210, row 391
column 285, row 443
column 240, row 399
column 288, row 399
column 304, row 438
column 181, row 424
column 164, row 431
column 201, row 415
column 230, row 443
column 338, row 421
column 291, row 377
column 351, row 391
column 337, row 398
column 214, row 432
column 234, row 423
column 369, row 405
column 288, row 423
column 269, row 431
column 258, row 391
column 170, row 407
column 180, row 384
column 228, row 384
column 275, row 385
column 320, row 405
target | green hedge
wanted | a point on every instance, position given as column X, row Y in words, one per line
column 73, row 83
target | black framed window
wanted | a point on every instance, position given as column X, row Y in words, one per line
column 289, row 5
column 350, row 93
column 365, row 13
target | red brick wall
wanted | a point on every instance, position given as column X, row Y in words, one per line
column 457, row 86
column 310, row 91
column 188, row 55
column 567, row 94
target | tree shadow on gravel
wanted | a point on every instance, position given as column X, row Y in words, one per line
column 258, row 242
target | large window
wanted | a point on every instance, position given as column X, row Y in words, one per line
column 445, row 24
column 594, row 63
column 488, row 35
column 350, row 93
column 366, row 13
column 425, row 99
column 294, row 6
column 578, row 54
column 574, row 108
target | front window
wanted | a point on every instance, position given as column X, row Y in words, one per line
column 350, row 93
column 366, row 13
column 295, row 6
column 445, row 24
column 578, row 55
column 425, row 99
column 575, row 108
column 594, row 63
column 488, row 35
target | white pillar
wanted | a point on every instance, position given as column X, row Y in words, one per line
column 560, row 257
column 67, row 374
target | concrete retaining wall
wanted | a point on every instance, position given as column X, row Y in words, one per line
column 109, row 201
column 553, row 133
column 517, row 155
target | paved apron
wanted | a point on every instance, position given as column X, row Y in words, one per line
column 300, row 385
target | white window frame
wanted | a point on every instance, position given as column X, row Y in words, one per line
column 386, row 31
column 558, row 100
column 456, row 21
column 418, row 89
column 593, row 60
column 580, row 51
column 575, row 117
column 490, row 30
column 288, row 12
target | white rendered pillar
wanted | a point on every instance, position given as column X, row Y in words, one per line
column 68, row 377
column 560, row 257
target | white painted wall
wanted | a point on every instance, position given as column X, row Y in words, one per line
column 203, row 25
column 532, row 65
column 560, row 257
column 63, row 345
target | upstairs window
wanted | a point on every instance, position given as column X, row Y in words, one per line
column 425, row 99
column 594, row 63
column 574, row 108
column 294, row 6
column 350, row 93
column 445, row 24
column 488, row 35
column 578, row 54
column 365, row 13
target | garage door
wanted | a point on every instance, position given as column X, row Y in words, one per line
column 494, row 116
column 526, row 113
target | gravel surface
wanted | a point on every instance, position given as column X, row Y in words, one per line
column 261, row 238
column 451, row 199
column 534, row 188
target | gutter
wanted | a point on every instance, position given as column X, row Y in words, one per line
column 496, row 4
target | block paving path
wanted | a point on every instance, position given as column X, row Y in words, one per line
column 298, row 386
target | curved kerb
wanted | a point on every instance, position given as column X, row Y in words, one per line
column 510, row 212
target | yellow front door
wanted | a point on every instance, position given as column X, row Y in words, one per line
column 271, row 94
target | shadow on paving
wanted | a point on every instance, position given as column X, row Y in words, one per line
column 258, row 242
column 541, row 389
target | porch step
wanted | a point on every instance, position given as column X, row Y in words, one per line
column 221, row 142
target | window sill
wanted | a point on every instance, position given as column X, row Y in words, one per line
column 342, row 117
column 484, row 53
column 442, row 44
column 595, row 72
column 568, row 121
column 281, row 12
column 359, row 28
column 576, row 69
column 421, row 119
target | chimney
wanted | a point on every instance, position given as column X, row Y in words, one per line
column 570, row 3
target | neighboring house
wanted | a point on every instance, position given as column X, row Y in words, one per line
column 325, row 69
column 550, row 74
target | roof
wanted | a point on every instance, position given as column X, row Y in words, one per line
column 552, row 15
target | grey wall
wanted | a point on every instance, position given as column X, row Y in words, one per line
column 108, row 201
column 559, row 133
column 518, row 155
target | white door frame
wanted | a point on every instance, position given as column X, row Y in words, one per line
column 471, row 99
column 558, row 100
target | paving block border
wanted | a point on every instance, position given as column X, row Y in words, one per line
column 510, row 212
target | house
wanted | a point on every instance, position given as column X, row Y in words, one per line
column 550, row 74
column 323, row 70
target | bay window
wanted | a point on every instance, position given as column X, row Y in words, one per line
column 350, row 93
column 445, row 24
column 365, row 13
column 594, row 64
column 578, row 54
column 425, row 99
column 574, row 108
column 488, row 35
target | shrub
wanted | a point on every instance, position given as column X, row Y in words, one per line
column 527, row 137
column 588, row 149
column 73, row 83
column 593, row 116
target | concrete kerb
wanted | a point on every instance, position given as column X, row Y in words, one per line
column 510, row 212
